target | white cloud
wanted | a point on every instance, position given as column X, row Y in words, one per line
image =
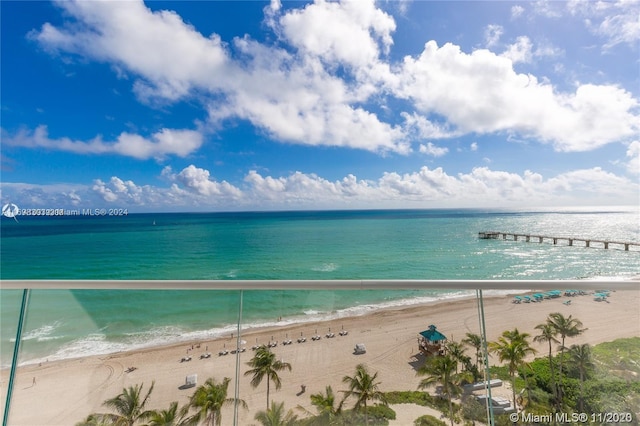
column 520, row 51
column 170, row 55
column 198, row 180
column 492, row 34
column 615, row 21
column 516, row 11
column 315, row 88
column 194, row 189
column 431, row 149
column 633, row 154
column 158, row 145
column 480, row 92
column 474, row 146
column 321, row 29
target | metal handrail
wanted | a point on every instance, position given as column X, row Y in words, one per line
column 626, row 284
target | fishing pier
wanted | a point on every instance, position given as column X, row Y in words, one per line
column 588, row 242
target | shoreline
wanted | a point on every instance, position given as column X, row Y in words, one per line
column 256, row 326
column 390, row 335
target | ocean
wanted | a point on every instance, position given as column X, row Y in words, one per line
column 372, row 244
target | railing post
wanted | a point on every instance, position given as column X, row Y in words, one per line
column 16, row 352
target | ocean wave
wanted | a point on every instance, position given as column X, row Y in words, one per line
column 42, row 334
column 325, row 267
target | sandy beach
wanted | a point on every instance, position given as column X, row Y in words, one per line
column 65, row 392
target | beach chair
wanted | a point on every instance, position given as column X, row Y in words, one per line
column 517, row 299
column 527, row 299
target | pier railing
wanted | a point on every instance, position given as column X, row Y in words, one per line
column 588, row 242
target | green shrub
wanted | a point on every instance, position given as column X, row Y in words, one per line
column 381, row 411
column 428, row 420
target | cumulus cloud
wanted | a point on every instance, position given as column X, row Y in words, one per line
column 433, row 150
column 198, row 180
column 313, row 88
column 633, row 154
column 480, row 92
column 169, row 55
column 194, row 188
column 367, row 29
column 158, row 145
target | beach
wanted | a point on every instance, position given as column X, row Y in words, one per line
column 65, row 392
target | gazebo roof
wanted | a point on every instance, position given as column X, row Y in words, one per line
column 433, row 335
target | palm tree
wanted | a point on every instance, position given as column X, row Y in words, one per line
column 96, row 419
column 327, row 412
column 565, row 327
column 475, row 341
column 209, row 399
column 363, row 387
column 441, row 370
column 580, row 357
column 129, row 405
column 264, row 364
column 513, row 348
column 275, row 416
column 548, row 334
column 456, row 351
column 171, row 417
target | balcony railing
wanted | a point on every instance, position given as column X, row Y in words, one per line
column 213, row 329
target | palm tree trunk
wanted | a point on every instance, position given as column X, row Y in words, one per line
column 267, row 393
column 366, row 413
column 450, row 410
column 513, row 389
column 553, row 384
column 581, row 405
column 560, row 392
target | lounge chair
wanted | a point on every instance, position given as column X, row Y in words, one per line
column 343, row 333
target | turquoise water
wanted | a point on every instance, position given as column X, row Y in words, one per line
column 426, row 244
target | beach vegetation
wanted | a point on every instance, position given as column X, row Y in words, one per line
column 325, row 404
column 173, row 416
column 209, row 399
column 475, row 341
column 441, row 370
column 580, row 360
column 564, row 327
column 548, row 333
column 428, row 420
column 96, row 419
column 265, row 365
column 129, row 406
column 276, row 416
column 419, row 398
column 513, row 347
column 364, row 388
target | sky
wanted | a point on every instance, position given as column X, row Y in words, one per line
column 249, row 105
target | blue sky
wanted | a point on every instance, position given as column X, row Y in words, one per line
column 247, row 105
